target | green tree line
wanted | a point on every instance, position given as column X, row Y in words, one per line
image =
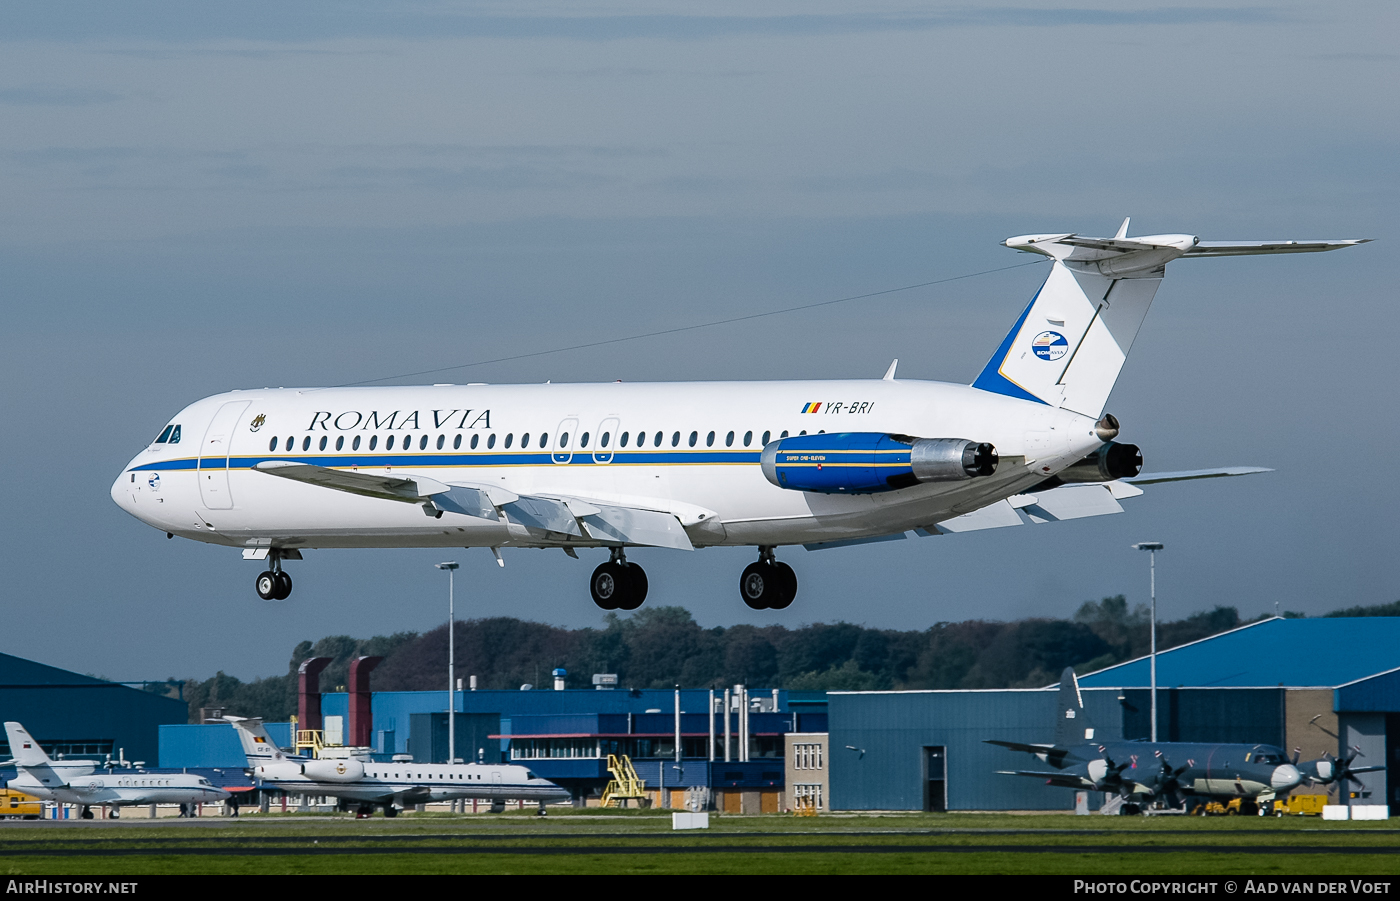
column 659, row 647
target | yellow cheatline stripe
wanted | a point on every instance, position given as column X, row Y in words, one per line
column 820, row 464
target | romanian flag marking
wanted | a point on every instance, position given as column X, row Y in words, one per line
column 811, row 408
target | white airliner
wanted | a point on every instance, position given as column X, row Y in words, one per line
column 78, row 782
column 686, row 465
column 357, row 778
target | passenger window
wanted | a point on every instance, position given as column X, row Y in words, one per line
column 583, row 440
column 729, row 440
column 164, row 435
column 657, row 442
column 603, row 442
column 563, row 439
column 748, row 437
column 175, row 436
column 440, row 441
column 355, row 445
column 373, row 440
column 622, row 442
column 272, row 445
column 457, row 442
column 389, row 443
column 475, row 439
column 694, row 436
column 290, row 440
column 784, row 434
column 510, row 436
column 306, row 443
column 525, row 440
column 339, row 442
column 491, row 440
column 322, row 445
column 710, row 439
column 423, row 443
column 407, row 442
column 675, row 439
column 803, row 432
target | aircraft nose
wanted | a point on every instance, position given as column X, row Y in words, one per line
column 1285, row 777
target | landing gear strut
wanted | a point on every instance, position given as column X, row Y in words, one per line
column 617, row 584
column 274, row 585
column 768, row 584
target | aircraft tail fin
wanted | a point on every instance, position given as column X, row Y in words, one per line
column 1072, row 724
column 23, row 748
column 257, row 744
column 1070, row 344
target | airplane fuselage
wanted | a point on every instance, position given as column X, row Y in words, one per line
column 690, row 449
column 410, row 783
column 87, row 787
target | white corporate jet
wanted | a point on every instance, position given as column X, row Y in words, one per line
column 686, row 465
column 359, row 780
column 78, row 782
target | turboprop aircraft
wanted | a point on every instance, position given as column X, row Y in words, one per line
column 1144, row 772
column 78, row 782
column 358, row 779
column 821, row 464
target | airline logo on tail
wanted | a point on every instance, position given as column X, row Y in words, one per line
column 1050, row 346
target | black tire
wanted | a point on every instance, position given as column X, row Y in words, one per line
column 759, row 585
column 787, row 585
column 635, row 585
column 608, row 586
column 390, row 811
column 284, row 586
column 267, row 586
column 86, row 814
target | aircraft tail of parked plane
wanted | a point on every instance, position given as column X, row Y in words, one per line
column 1084, row 319
column 257, row 744
column 1072, row 725
column 23, row 748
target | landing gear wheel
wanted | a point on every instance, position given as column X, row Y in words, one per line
column 284, row 586
column 390, row 811
column 608, row 586
column 760, row 585
column 86, row 813
column 267, row 586
column 636, row 583
column 787, row 585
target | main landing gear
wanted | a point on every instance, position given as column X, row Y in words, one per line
column 274, row 585
column 617, row 584
column 768, row 584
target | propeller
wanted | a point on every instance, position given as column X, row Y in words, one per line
column 1167, row 784
column 1113, row 780
column 1339, row 770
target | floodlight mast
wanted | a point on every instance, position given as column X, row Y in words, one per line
column 1152, row 547
column 451, row 567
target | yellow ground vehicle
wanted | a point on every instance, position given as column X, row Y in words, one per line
column 17, row 805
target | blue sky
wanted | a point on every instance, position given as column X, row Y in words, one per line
column 198, row 198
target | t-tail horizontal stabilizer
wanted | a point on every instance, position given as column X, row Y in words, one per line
column 1070, row 343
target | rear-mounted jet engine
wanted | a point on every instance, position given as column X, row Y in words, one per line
column 872, row 462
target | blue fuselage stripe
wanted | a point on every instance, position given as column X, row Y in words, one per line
column 464, row 459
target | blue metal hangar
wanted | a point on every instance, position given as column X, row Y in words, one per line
column 1319, row 685
column 82, row 716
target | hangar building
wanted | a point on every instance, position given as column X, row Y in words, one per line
column 1321, row 685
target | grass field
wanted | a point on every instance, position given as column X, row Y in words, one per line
column 591, row 841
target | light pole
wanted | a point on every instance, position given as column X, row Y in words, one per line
column 1152, row 547
column 451, row 671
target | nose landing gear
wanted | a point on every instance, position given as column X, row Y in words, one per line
column 617, row 584
column 768, row 584
column 274, row 585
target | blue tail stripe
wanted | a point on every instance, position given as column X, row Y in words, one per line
column 991, row 378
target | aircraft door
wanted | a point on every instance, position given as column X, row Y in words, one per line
column 565, row 437
column 606, row 440
column 214, row 454
column 936, row 778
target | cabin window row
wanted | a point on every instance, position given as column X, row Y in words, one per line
column 541, row 440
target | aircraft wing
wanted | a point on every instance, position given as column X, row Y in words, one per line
column 1075, row 501
column 1064, row 780
column 1019, row 746
column 609, row 523
column 1244, row 248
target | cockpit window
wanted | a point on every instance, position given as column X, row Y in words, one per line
column 175, row 436
column 164, row 436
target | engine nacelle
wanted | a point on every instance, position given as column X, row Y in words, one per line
column 344, row 769
column 872, row 462
column 1112, row 461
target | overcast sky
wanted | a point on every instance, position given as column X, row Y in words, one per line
column 199, row 197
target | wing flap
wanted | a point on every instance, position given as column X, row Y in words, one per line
column 1072, row 502
column 629, row 525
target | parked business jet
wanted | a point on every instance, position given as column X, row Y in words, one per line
column 78, row 782
column 360, row 780
column 686, row 465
